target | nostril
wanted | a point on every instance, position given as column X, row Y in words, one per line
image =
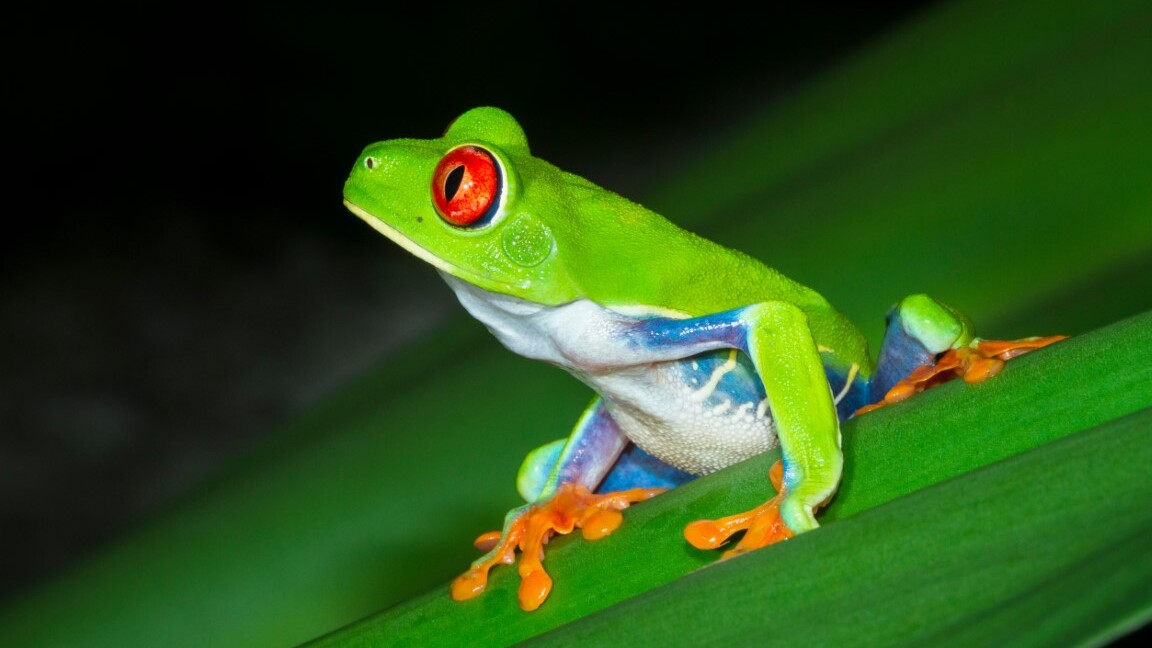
column 370, row 162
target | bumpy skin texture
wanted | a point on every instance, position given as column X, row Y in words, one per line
column 700, row 356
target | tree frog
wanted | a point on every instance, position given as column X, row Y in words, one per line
column 699, row 356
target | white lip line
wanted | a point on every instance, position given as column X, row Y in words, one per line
column 403, row 241
column 413, row 247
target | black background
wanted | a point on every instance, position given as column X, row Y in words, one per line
column 178, row 274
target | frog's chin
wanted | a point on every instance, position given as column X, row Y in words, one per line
column 425, row 255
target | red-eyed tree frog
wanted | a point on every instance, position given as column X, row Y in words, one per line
column 700, row 356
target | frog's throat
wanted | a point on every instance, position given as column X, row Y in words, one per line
column 425, row 255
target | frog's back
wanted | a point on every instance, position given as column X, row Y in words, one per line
column 737, row 279
column 646, row 261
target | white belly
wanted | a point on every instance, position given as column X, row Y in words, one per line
column 680, row 416
column 699, row 407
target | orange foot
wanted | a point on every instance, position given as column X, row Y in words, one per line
column 572, row 507
column 975, row 363
column 763, row 524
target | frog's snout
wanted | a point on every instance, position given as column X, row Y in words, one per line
column 375, row 161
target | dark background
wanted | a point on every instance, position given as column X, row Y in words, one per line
column 179, row 277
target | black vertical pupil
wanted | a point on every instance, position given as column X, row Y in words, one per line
column 452, row 182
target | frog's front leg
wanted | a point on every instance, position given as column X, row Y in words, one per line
column 777, row 338
column 558, row 481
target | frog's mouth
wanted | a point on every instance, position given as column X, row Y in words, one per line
column 424, row 254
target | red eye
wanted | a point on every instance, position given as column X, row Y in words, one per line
column 466, row 186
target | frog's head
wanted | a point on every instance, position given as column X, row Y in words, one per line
column 470, row 203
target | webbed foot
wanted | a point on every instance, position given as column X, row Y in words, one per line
column 762, row 525
column 975, row 363
column 529, row 529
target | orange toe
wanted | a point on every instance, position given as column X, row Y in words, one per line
column 572, row 507
column 974, row 363
column 762, row 525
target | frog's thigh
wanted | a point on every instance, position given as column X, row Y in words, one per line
column 787, row 359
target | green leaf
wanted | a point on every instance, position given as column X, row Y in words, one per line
column 1046, row 548
column 1059, row 504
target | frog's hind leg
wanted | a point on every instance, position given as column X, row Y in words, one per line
column 927, row 343
column 904, row 350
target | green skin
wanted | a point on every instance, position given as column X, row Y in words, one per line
column 556, row 239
